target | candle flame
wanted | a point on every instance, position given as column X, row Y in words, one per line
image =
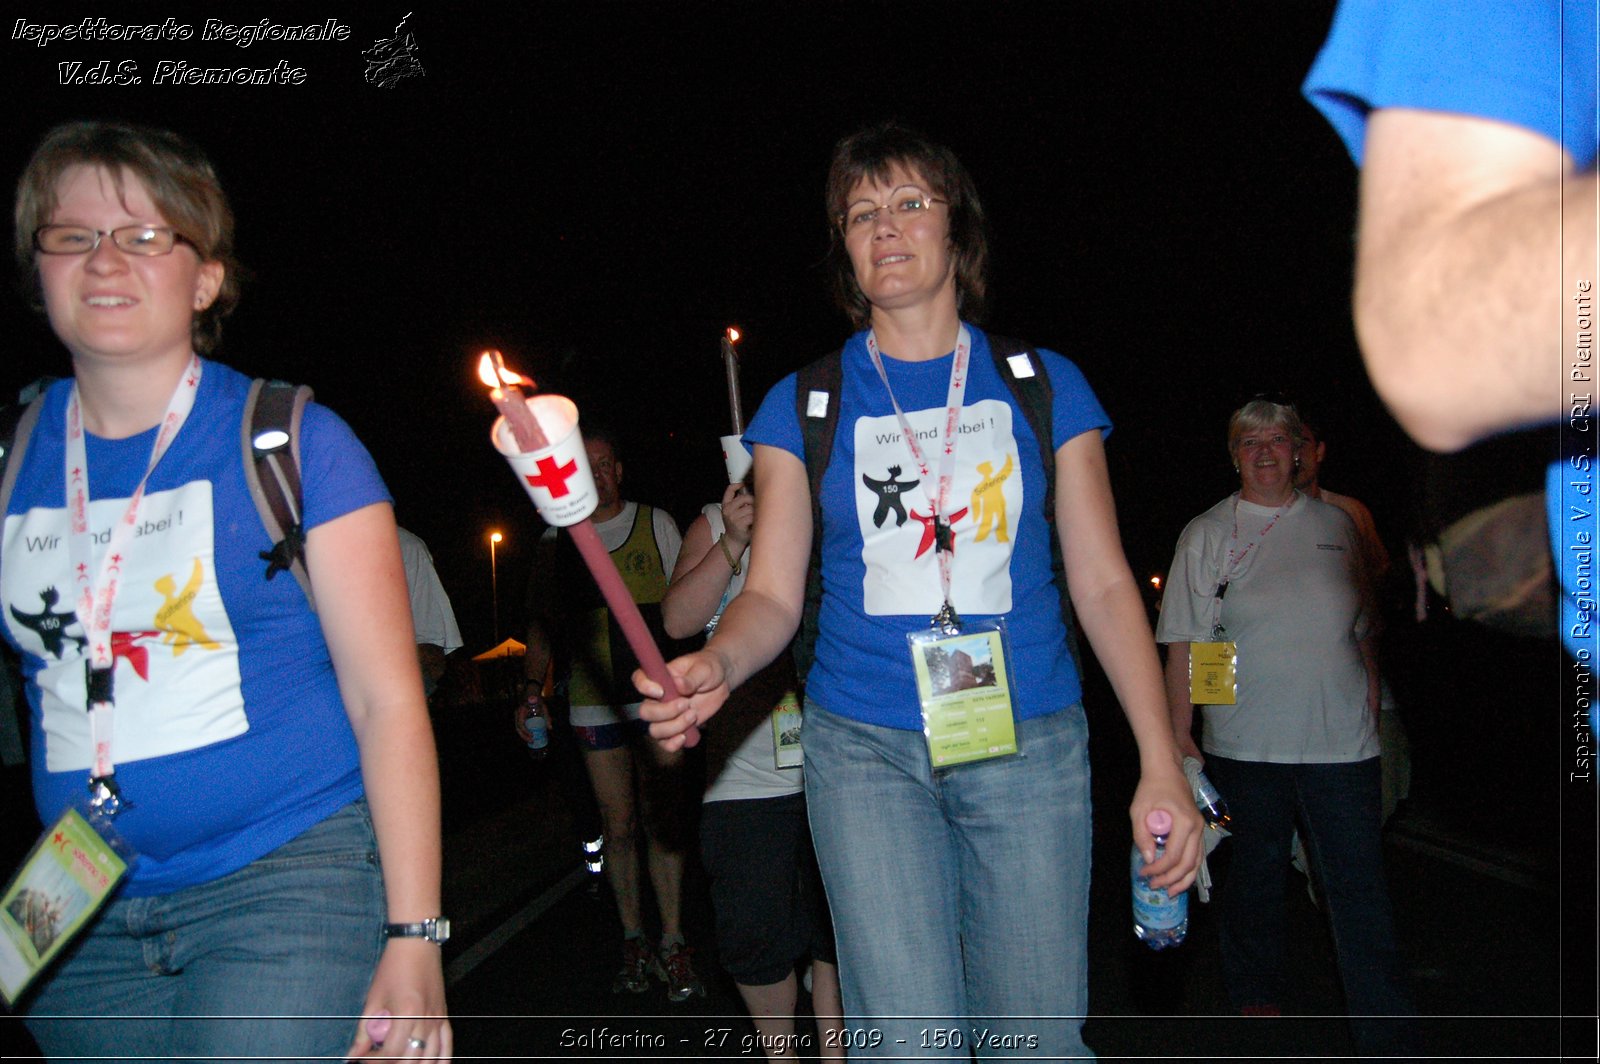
column 1155, row 582
column 733, row 335
column 492, row 371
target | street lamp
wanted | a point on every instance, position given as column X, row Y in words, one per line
column 494, row 585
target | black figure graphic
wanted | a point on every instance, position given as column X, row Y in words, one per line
column 888, row 493
column 52, row 627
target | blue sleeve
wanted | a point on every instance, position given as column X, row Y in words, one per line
column 775, row 423
column 1075, row 409
column 1508, row 60
column 337, row 475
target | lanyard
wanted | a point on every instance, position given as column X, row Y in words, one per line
column 1236, row 556
column 95, row 597
column 938, row 499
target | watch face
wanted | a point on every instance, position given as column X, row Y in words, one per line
column 441, row 930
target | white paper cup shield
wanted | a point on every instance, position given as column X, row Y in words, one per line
column 736, row 457
column 556, row 478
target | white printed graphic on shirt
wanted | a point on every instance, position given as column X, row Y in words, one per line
column 896, row 519
column 177, row 661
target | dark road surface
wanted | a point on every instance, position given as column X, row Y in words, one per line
column 1490, row 865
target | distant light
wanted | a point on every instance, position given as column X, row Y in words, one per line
column 1155, row 582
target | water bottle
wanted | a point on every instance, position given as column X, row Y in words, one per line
column 538, row 729
column 1159, row 920
column 1212, row 806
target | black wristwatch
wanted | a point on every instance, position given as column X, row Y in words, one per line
column 436, row 930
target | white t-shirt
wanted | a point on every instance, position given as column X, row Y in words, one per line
column 1294, row 608
column 740, row 752
column 431, row 614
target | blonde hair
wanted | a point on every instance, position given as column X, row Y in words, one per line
column 1259, row 414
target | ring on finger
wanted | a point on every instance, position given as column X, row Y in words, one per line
column 416, row 1043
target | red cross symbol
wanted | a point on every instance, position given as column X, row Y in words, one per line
column 553, row 478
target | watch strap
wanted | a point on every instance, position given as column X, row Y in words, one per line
column 436, row 930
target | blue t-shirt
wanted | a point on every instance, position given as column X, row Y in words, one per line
column 1528, row 64
column 230, row 737
column 880, row 579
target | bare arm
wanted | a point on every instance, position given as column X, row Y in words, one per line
column 1113, row 617
column 1179, row 706
column 703, row 572
column 354, row 563
column 760, row 621
column 1474, row 238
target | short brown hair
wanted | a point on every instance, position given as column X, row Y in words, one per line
column 873, row 152
column 177, row 175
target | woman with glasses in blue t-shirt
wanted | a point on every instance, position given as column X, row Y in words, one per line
column 945, row 739
column 271, row 765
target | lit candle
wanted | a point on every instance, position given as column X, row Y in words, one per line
column 513, row 407
column 735, row 455
column 505, row 390
column 730, row 361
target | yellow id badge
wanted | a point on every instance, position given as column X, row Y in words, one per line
column 67, row 877
column 1214, row 673
column 786, row 751
column 965, row 689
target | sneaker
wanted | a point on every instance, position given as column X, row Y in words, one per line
column 677, row 969
column 637, row 963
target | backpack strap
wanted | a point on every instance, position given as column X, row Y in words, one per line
column 1020, row 366
column 16, row 429
column 270, row 439
column 816, row 397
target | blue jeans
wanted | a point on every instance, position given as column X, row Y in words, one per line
column 1338, row 806
column 284, row 949
column 960, row 896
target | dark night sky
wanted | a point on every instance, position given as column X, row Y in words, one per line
column 598, row 189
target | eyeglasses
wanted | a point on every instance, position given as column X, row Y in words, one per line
column 904, row 204
column 1256, row 443
column 148, row 240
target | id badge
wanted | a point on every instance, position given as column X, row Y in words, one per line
column 964, row 684
column 66, row 878
column 786, row 752
column 1214, row 673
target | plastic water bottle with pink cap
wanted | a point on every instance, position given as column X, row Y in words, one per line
column 1159, row 919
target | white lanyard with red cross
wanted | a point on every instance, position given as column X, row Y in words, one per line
column 95, row 587
column 938, row 498
column 961, row 668
column 1214, row 663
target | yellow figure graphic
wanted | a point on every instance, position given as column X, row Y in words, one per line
column 176, row 616
column 989, row 502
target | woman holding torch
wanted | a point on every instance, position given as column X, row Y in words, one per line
column 271, row 764
column 945, row 743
